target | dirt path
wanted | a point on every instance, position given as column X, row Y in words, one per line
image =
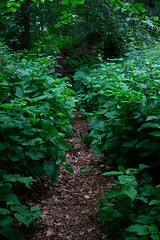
column 67, row 203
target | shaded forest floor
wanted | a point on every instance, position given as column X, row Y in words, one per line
column 67, row 202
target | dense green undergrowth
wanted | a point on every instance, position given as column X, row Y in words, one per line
column 121, row 99
column 35, row 114
column 131, row 210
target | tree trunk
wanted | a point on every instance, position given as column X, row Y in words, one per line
column 24, row 24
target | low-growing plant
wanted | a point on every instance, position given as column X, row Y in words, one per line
column 122, row 101
column 36, row 110
column 131, row 209
column 11, row 208
column 35, row 114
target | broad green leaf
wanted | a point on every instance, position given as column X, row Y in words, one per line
column 153, row 229
column 130, row 192
column 143, row 166
column 63, row 144
column 155, row 134
column 97, row 124
column 139, row 7
column 150, row 118
column 155, row 237
column 155, row 18
column 126, row 179
column 9, row 4
column 39, row 98
column 148, row 144
column 152, row 202
column 4, row 211
column 143, row 199
column 29, row 132
column 6, row 105
column 69, row 168
column 147, row 125
column 25, row 218
column 11, row 177
column 33, row 155
column 52, row 170
column 27, row 181
column 19, row 92
column 13, row 9
column 141, row 230
column 112, row 173
column 122, row 169
column 145, row 219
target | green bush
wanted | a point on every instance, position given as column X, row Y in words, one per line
column 35, row 114
column 36, row 110
column 10, row 207
column 122, row 100
column 131, row 209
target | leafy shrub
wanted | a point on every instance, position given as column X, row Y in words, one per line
column 122, row 100
column 36, row 110
column 131, row 210
column 35, row 114
column 10, row 207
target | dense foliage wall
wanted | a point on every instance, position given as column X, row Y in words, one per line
column 35, row 115
column 120, row 99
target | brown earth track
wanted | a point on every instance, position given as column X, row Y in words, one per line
column 67, row 203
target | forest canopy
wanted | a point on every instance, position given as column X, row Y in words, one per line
column 102, row 24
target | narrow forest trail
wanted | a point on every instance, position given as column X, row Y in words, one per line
column 67, row 202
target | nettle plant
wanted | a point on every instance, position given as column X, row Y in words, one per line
column 10, row 207
column 35, row 114
column 122, row 100
column 131, row 210
column 36, row 110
